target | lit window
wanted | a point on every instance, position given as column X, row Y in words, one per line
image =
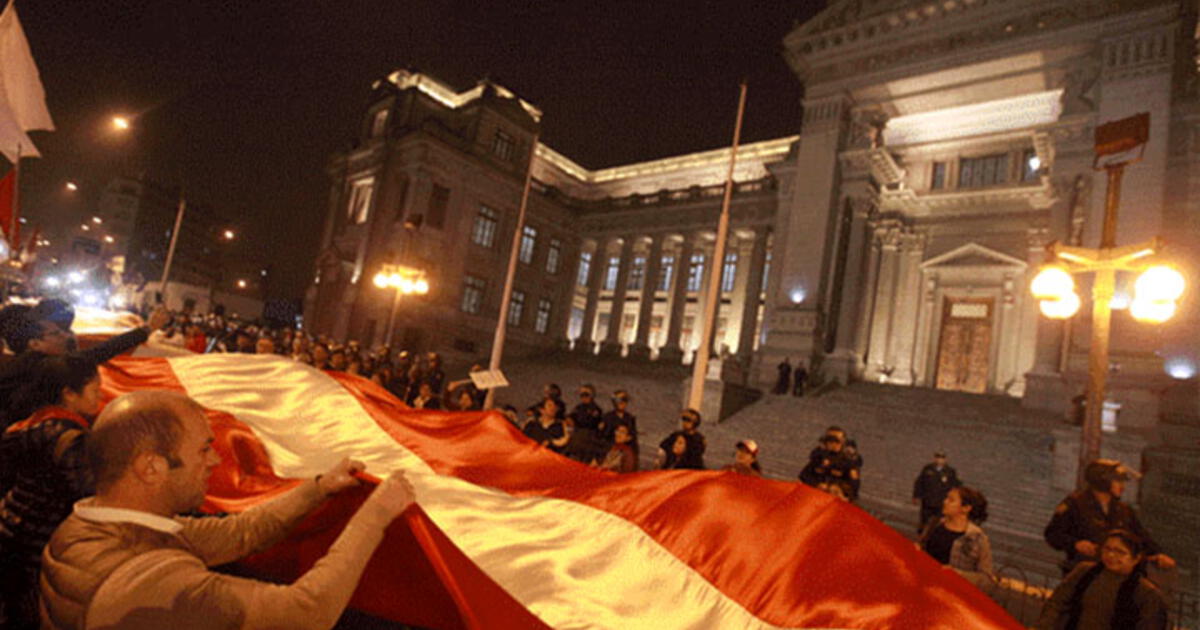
column 766, row 273
column 610, row 275
column 503, row 146
column 360, row 200
column 938, row 181
column 664, row 276
column 483, row 233
column 472, row 298
column 729, row 272
column 585, row 268
column 979, row 172
column 516, row 305
column 637, row 273
column 528, row 242
column 1031, row 166
column 695, row 272
column 552, row 255
column 542, row 323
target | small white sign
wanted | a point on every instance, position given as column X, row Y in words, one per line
column 488, row 379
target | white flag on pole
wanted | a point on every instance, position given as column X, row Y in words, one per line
column 22, row 97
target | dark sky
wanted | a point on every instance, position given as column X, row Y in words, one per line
column 243, row 102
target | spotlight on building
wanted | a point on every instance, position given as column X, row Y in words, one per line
column 797, row 295
column 1180, row 367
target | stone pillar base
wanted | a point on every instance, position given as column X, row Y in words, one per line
column 609, row 349
column 673, row 356
column 1048, row 391
column 842, row 367
column 584, row 347
column 640, row 352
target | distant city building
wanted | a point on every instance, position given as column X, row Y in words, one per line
column 944, row 146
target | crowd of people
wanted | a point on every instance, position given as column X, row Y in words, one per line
column 48, row 463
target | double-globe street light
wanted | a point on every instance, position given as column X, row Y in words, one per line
column 1156, row 290
column 404, row 280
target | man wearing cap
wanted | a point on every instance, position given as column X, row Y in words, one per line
column 745, row 459
column 932, row 484
column 1081, row 520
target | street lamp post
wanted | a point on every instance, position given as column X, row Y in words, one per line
column 1118, row 144
column 406, row 281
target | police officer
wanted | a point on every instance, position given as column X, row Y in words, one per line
column 1081, row 520
column 930, row 488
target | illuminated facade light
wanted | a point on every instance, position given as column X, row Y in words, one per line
column 1181, row 368
column 241, row 284
column 797, row 295
column 121, row 123
column 97, row 220
column 72, row 186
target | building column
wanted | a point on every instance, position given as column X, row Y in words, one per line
column 641, row 346
column 671, row 352
column 852, row 321
column 881, row 316
column 750, row 295
column 612, row 342
column 701, row 311
column 586, row 342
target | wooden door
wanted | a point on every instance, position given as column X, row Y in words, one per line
column 964, row 345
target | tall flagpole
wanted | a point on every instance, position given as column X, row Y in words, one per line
column 162, row 286
column 510, row 277
column 700, row 362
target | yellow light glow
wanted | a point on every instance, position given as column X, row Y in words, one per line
column 109, row 239
column 120, row 122
column 1072, row 257
column 241, row 284
column 1152, row 312
column 1159, row 284
column 72, row 186
column 405, row 285
column 97, row 220
column 228, row 235
column 421, row 286
column 1052, row 283
column 381, row 280
column 1060, row 308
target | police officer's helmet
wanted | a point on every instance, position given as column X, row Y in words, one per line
column 1100, row 474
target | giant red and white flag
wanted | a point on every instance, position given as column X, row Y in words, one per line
column 510, row 535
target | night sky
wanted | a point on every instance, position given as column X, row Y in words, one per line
column 243, row 102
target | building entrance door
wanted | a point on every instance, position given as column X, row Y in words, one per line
column 964, row 345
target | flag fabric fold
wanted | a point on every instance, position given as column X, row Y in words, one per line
column 509, row 535
column 22, row 97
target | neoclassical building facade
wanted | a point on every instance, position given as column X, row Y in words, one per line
column 943, row 145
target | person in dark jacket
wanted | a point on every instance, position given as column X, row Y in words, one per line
column 783, row 384
column 1112, row 593
column 43, row 471
column 587, row 445
column 620, row 415
column 831, row 469
column 43, row 331
column 931, row 486
column 1081, row 521
column 689, row 422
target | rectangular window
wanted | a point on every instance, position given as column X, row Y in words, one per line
column 484, row 231
column 637, row 274
column 379, row 123
column 1031, row 166
column 938, row 181
column 472, row 297
column 552, row 255
column 528, row 242
column 585, row 268
column 979, row 172
column 575, row 325
column 542, row 323
column 516, row 306
column 503, row 146
column 438, row 200
column 729, row 272
column 610, row 274
column 360, row 200
column 766, row 273
column 695, row 272
column 664, row 276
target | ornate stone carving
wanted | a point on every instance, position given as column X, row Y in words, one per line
column 1079, row 89
column 866, row 129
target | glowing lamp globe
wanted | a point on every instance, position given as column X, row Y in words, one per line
column 1152, row 312
column 1159, row 284
column 1052, row 283
column 421, row 286
column 1062, row 308
column 381, row 280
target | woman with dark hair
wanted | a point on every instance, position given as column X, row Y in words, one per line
column 684, row 452
column 43, row 471
column 1112, row 593
column 957, row 541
